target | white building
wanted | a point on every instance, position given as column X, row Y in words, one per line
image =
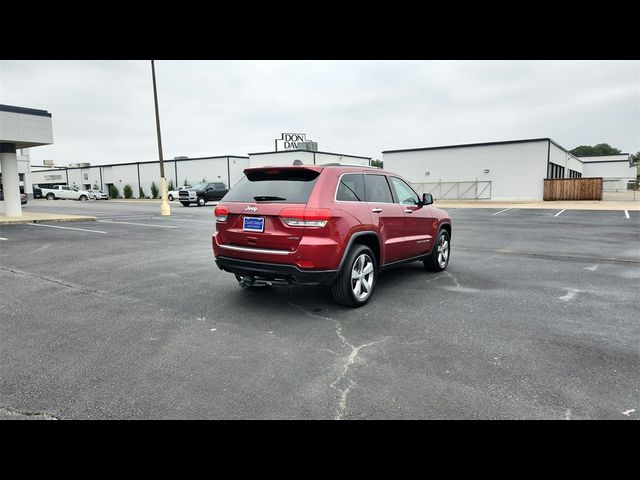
column 227, row 169
column 615, row 170
column 307, row 157
column 509, row 170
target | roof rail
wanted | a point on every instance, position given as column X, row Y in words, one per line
column 346, row 165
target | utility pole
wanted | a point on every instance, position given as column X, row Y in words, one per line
column 164, row 206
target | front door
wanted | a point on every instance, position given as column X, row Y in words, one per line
column 418, row 220
column 386, row 215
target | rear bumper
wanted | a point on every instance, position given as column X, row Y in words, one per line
column 275, row 271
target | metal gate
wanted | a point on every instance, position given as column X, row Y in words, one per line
column 472, row 190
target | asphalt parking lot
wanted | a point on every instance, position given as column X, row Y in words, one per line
column 128, row 317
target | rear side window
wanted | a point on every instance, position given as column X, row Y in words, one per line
column 351, row 188
column 377, row 189
column 287, row 186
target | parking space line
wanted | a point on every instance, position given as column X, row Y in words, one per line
column 559, row 212
column 2, row 238
column 626, row 213
column 187, row 220
column 140, row 224
column 65, row 228
column 502, row 211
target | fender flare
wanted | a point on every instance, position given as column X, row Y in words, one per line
column 350, row 243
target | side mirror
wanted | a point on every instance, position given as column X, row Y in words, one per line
column 427, row 199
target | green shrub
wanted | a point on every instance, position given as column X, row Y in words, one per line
column 128, row 193
column 142, row 195
column 170, row 186
column 154, row 190
column 186, row 182
column 113, row 191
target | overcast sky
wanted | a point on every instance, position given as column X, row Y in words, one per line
column 103, row 110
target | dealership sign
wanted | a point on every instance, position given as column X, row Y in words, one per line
column 289, row 141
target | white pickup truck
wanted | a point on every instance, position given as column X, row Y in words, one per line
column 65, row 192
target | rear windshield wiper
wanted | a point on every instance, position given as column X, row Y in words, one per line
column 259, row 198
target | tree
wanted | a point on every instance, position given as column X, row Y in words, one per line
column 113, row 191
column 186, row 182
column 128, row 192
column 599, row 149
column 142, row 195
column 377, row 163
column 95, row 185
column 154, row 190
column 170, row 186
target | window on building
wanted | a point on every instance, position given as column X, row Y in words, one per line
column 574, row 174
column 555, row 171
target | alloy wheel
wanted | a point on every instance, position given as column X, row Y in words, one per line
column 362, row 277
column 443, row 251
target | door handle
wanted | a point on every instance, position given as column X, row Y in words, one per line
column 408, row 211
column 376, row 210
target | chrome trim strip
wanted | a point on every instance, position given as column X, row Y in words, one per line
column 256, row 250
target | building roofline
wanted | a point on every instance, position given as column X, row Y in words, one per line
column 24, row 110
column 138, row 163
column 505, row 142
column 313, row 151
column 608, row 161
column 602, row 155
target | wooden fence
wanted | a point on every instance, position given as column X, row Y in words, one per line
column 573, row 188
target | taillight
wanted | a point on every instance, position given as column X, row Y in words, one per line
column 305, row 217
column 221, row 213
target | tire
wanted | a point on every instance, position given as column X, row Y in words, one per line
column 50, row 196
column 171, row 198
column 83, row 198
column 185, row 204
column 438, row 260
column 345, row 289
column 201, row 202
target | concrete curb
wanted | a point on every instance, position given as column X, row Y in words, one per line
column 46, row 218
column 560, row 205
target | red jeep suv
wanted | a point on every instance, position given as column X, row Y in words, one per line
column 329, row 224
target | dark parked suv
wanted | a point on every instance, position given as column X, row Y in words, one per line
column 332, row 225
column 201, row 193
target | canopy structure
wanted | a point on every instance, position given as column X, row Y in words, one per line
column 19, row 128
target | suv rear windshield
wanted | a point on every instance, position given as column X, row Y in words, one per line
column 290, row 186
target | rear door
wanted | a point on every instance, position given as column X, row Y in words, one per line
column 386, row 215
column 418, row 220
column 220, row 189
column 256, row 202
column 65, row 192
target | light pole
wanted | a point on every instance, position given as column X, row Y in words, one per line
column 164, row 206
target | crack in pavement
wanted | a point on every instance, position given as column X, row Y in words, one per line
column 108, row 294
column 348, row 361
column 458, row 287
column 17, row 413
column 34, row 275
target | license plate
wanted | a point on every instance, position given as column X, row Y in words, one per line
column 253, row 224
